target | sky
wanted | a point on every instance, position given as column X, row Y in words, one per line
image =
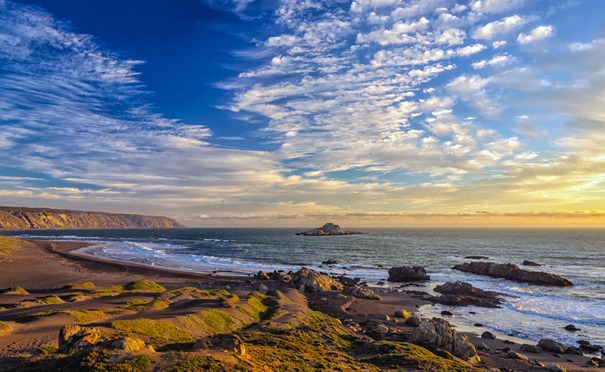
column 298, row 112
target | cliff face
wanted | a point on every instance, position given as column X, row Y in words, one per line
column 14, row 218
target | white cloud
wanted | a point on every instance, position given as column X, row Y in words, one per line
column 470, row 49
column 467, row 84
column 583, row 47
column 495, row 6
column 498, row 44
column 492, row 29
column 495, row 61
column 537, row 33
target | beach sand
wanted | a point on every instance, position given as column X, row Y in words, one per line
column 45, row 268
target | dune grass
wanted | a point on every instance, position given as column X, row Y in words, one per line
column 79, row 285
column 5, row 328
column 18, row 290
column 159, row 330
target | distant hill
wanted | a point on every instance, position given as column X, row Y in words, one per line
column 16, row 218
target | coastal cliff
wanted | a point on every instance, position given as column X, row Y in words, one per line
column 15, row 218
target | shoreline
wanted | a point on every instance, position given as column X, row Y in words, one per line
column 58, row 263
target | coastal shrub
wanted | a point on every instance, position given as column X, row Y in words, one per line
column 194, row 292
column 18, row 290
column 255, row 308
column 160, row 330
column 199, row 364
column 139, row 305
column 109, row 291
column 8, row 244
column 229, row 300
column 5, row 328
column 46, row 349
column 79, row 315
column 79, row 285
column 48, row 300
column 144, row 285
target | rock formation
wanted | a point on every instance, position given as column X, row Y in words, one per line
column 512, row 272
column 440, row 333
column 464, row 294
column 328, row 229
column 407, row 274
column 313, row 281
column 13, row 218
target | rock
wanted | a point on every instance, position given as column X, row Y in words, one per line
column 555, row 368
column 401, row 314
column 574, row 350
column 229, row 342
column 536, row 363
column 488, row 335
column 128, row 344
column 464, row 294
column 551, row 345
column 201, row 344
column 330, row 262
column 476, row 258
column 361, row 292
column 74, row 337
column 340, row 296
column 531, row 348
column 513, row 272
column 407, row 274
column 348, row 282
column 262, row 288
column 315, row 282
column 483, row 347
column 413, row 321
column 515, row 355
column 328, row 229
column 381, row 329
column 446, row 313
column 261, row 275
column 571, row 328
column 439, row 332
column 588, row 347
column 507, row 350
column 530, row 263
column 597, row 361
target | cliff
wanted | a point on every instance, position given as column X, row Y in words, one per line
column 15, row 218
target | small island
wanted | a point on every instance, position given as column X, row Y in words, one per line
column 327, row 230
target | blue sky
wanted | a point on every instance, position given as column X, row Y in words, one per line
column 292, row 113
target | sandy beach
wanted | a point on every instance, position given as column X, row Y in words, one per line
column 49, row 272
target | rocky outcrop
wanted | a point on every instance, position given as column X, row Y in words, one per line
column 407, row 274
column 440, row 333
column 361, row 292
column 551, row 345
column 512, row 272
column 328, row 229
column 313, row 281
column 73, row 337
column 464, row 294
column 13, row 218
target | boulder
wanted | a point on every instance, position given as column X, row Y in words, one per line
column 346, row 281
column 361, row 292
column 483, row 347
column 477, row 258
column 228, row 342
column 326, row 230
column 74, row 337
column 571, row 328
column 402, row 314
column 314, row 281
column 464, row 294
column 129, row 344
column 551, row 345
column 407, row 274
column 516, row 355
column 413, row 321
column 488, row 335
column 261, row 275
column 512, row 272
column 440, row 333
column 530, row 263
column 381, row 329
column 329, row 262
column 531, row 348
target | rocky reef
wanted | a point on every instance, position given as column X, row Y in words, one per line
column 328, row 229
column 513, row 272
column 15, row 218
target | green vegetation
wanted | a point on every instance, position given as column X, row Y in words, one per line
column 255, row 307
column 47, row 349
column 48, row 300
column 5, row 328
column 139, row 305
column 80, row 315
column 144, row 286
column 161, row 331
column 109, row 291
column 14, row 290
column 229, row 300
column 8, row 244
column 199, row 364
column 79, row 285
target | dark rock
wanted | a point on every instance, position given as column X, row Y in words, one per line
column 574, row 350
column 361, row 292
column 483, row 347
column 512, row 272
column 476, row 258
column 262, row 275
column 447, row 313
column 588, row 347
column 551, row 345
column 478, row 324
column 530, row 263
column 380, row 283
column 488, row 335
column 571, row 328
column 464, row 294
column 346, row 281
column 531, row 348
column 509, row 342
column 598, row 361
column 330, row 262
column 507, row 350
column 326, row 230
column 516, row 355
column 413, row 321
column 407, row 274
column 229, row 342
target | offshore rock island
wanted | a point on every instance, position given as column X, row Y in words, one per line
column 16, row 218
column 327, row 230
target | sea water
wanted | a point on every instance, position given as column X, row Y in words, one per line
column 530, row 312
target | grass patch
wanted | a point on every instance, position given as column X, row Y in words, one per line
column 194, row 292
column 79, row 285
column 229, row 300
column 255, row 307
column 18, row 290
column 5, row 328
column 109, row 291
column 144, row 285
column 139, row 305
column 7, row 245
column 199, row 364
column 46, row 349
column 157, row 329
column 79, row 315
column 48, row 300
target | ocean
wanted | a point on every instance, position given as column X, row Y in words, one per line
column 531, row 312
